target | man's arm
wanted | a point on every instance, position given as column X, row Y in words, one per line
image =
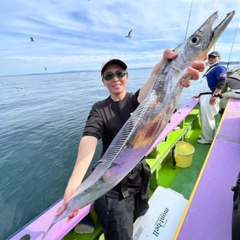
column 86, row 150
column 225, row 87
column 220, row 84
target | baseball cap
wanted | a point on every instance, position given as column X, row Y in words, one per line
column 113, row 61
column 215, row 53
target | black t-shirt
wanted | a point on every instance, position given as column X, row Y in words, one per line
column 107, row 117
column 105, row 120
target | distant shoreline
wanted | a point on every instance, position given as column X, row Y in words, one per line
column 73, row 71
column 83, row 71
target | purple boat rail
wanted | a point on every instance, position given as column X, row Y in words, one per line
column 209, row 212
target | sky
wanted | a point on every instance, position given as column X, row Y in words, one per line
column 79, row 35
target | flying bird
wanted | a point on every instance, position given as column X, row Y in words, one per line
column 129, row 35
column 45, row 68
column 32, row 40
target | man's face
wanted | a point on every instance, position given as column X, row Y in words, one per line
column 212, row 59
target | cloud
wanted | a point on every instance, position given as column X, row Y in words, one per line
column 81, row 34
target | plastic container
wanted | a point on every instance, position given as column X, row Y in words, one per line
column 183, row 154
column 161, row 221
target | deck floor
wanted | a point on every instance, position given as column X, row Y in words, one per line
column 185, row 179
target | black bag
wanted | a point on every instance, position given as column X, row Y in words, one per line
column 143, row 196
column 236, row 210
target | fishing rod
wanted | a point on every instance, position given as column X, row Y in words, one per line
column 232, row 46
column 188, row 20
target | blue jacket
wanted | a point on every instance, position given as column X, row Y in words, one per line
column 216, row 76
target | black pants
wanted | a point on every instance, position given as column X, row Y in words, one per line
column 117, row 216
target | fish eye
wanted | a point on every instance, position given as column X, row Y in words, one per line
column 195, row 40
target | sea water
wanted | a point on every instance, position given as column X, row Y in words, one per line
column 42, row 118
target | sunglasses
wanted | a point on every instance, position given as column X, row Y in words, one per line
column 119, row 74
column 211, row 56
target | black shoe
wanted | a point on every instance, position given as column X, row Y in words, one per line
column 221, row 111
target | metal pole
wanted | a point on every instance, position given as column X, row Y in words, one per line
column 188, row 21
column 232, row 46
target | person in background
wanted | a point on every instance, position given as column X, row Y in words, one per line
column 121, row 206
column 210, row 88
column 232, row 82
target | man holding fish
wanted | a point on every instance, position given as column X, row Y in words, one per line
column 117, row 209
column 128, row 124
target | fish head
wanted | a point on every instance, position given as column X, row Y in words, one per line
column 202, row 40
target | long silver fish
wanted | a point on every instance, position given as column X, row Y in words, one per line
column 148, row 121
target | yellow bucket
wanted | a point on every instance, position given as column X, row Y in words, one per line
column 183, row 154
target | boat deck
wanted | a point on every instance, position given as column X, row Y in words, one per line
column 209, row 212
column 210, row 174
column 186, row 178
column 186, row 118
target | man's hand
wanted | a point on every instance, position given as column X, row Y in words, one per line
column 193, row 71
column 212, row 101
column 67, row 196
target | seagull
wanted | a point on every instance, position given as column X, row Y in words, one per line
column 129, row 35
column 45, row 68
column 32, row 40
